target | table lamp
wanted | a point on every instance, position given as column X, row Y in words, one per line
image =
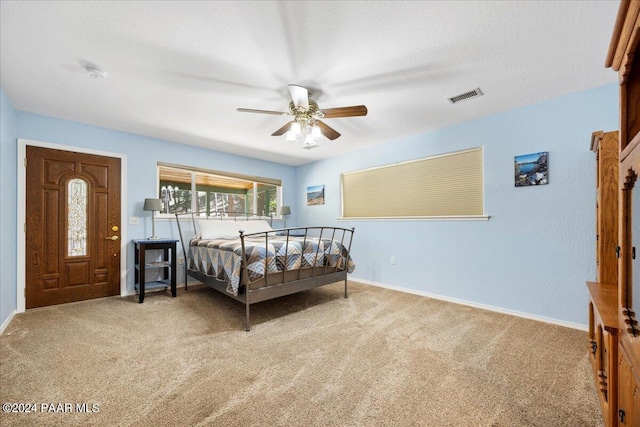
column 284, row 211
column 153, row 205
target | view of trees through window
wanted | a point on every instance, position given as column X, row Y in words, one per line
column 184, row 190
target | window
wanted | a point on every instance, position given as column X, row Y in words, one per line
column 77, row 217
column 446, row 185
column 184, row 189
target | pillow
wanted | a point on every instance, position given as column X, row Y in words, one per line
column 255, row 226
column 217, row 229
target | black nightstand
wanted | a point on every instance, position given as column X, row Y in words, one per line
column 168, row 264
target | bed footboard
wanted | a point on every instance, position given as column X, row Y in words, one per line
column 270, row 264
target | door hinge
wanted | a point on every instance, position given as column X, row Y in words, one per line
column 617, row 251
column 25, row 162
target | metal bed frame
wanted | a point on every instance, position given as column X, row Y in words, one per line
column 274, row 285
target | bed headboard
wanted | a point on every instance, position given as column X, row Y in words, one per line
column 193, row 217
column 234, row 216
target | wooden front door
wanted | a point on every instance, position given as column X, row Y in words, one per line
column 72, row 227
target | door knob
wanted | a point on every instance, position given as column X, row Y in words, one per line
column 112, row 238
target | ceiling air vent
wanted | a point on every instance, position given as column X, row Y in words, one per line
column 467, row 95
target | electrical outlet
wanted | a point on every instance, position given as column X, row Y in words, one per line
column 181, row 260
column 134, row 220
column 393, row 260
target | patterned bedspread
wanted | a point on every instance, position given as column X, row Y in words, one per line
column 221, row 258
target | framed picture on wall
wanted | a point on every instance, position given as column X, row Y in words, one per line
column 531, row 169
column 315, row 195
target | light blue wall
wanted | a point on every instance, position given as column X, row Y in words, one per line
column 8, row 212
column 534, row 254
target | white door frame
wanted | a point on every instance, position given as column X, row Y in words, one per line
column 22, row 212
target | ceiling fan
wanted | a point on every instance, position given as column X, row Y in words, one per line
column 306, row 117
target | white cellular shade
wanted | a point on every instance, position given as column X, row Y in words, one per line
column 450, row 184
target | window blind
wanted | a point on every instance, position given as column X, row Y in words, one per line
column 221, row 175
column 450, row 184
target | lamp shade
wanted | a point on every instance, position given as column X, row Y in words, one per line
column 295, row 128
column 285, row 210
column 152, row 205
column 291, row 137
column 316, row 132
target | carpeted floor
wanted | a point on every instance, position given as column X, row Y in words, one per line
column 378, row 358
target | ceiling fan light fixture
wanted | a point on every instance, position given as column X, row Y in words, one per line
column 291, row 137
column 295, row 129
column 309, row 141
column 316, row 133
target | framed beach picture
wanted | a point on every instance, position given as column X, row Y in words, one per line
column 315, row 195
column 531, row 169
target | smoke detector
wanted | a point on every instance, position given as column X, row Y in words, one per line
column 95, row 72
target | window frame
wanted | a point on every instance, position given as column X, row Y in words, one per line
column 194, row 171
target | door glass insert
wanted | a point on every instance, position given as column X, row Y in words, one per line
column 77, row 217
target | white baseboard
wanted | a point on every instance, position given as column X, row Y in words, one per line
column 544, row 319
column 7, row 321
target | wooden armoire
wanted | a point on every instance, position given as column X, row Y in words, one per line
column 614, row 333
column 603, row 313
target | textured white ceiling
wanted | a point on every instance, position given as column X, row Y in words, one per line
column 178, row 70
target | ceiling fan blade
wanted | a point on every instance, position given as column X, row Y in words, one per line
column 356, row 110
column 327, row 131
column 249, row 110
column 299, row 96
column 282, row 130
